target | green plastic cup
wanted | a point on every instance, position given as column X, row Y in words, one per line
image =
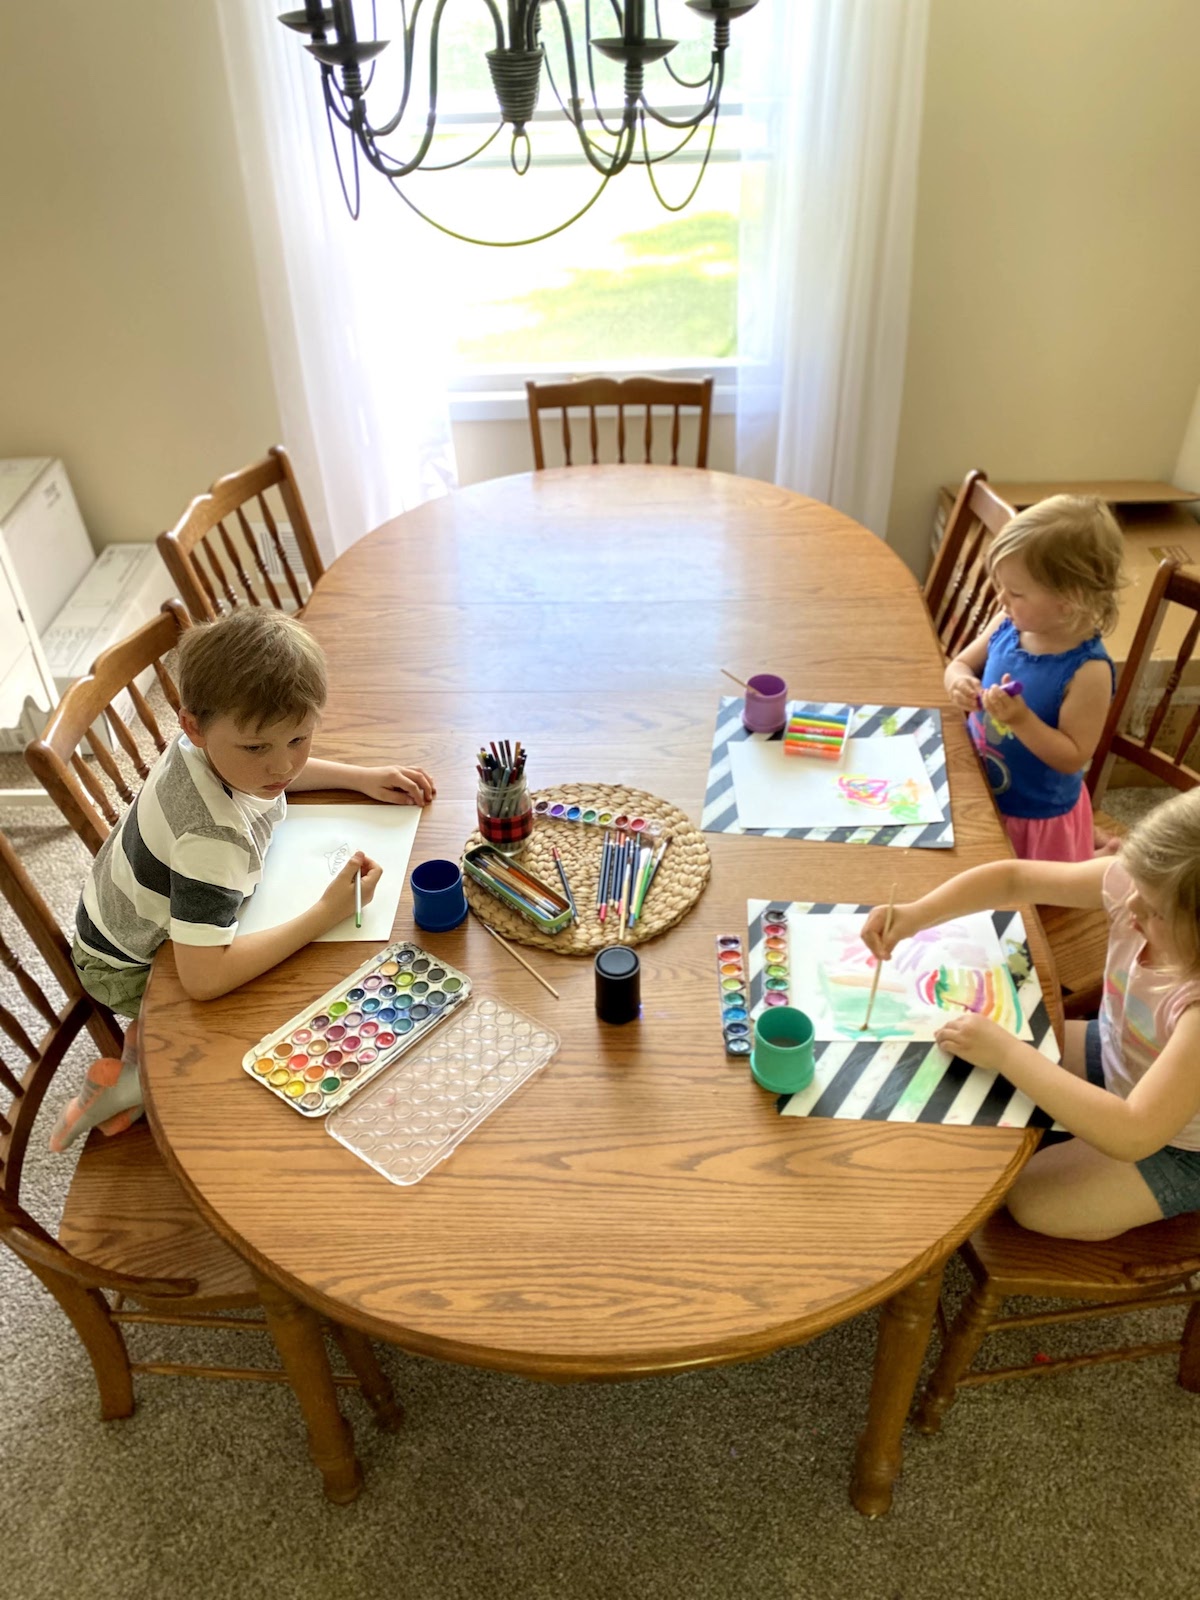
column 782, row 1057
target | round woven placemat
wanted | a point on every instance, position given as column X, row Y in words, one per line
column 678, row 884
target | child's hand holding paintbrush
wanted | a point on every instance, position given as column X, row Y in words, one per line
column 354, row 886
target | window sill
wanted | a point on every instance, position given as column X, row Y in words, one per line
column 500, row 397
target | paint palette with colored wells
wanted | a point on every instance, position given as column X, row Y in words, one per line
column 322, row 1056
column 596, row 816
column 776, row 979
column 735, row 999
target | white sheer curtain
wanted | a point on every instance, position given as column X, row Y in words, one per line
column 353, row 319
column 834, row 92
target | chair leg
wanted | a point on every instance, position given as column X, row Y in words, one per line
column 958, row 1352
column 376, row 1385
column 905, row 1322
column 101, row 1338
column 1189, row 1356
column 296, row 1330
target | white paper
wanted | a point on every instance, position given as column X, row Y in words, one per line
column 935, row 975
column 311, row 846
column 878, row 782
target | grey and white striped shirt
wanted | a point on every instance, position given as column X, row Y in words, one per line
column 178, row 865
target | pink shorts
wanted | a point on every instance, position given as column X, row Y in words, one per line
column 1065, row 838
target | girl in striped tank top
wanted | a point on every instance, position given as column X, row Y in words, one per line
column 1130, row 1091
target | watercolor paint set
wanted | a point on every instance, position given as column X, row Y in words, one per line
column 735, row 1003
column 595, row 816
column 328, row 1051
column 413, row 1118
column 539, row 902
column 776, row 958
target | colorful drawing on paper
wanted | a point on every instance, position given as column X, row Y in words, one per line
column 901, row 801
column 959, row 965
column 876, row 781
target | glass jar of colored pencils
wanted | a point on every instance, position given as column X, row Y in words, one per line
column 505, row 813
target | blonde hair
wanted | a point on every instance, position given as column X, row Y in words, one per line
column 257, row 666
column 1163, row 855
column 1070, row 544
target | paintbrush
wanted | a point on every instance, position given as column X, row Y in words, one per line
column 504, row 944
column 741, row 682
column 887, row 928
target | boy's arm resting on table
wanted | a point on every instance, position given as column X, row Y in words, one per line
column 1071, row 745
column 999, row 883
column 396, row 785
column 208, row 971
column 1162, row 1103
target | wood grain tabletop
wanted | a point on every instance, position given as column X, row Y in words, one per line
column 639, row 1206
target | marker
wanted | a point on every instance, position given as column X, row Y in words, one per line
column 358, row 898
column 1015, row 687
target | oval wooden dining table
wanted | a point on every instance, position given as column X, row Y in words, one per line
column 640, row 1207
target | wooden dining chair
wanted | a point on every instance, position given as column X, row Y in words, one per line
column 234, row 530
column 130, row 1247
column 673, row 395
column 98, row 712
column 1143, row 1269
column 1162, row 748
column 959, row 591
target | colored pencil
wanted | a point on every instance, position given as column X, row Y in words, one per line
column 887, row 928
column 358, row 898
column 504, row 944
column 566, row 886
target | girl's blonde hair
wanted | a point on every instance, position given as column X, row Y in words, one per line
column 257, row 666
column 1163, row 855
column 1071, row 545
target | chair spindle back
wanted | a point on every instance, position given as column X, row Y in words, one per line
column 673, row 395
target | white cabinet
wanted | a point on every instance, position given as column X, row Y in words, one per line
column 44, row 552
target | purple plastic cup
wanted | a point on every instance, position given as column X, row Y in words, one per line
column 766, row 711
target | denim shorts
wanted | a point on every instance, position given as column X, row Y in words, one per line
column 1173, row 1175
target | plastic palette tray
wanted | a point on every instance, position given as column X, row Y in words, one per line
column 426, row 1105
column 328, row 1051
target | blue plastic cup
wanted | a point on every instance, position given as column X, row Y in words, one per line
column 439, row 899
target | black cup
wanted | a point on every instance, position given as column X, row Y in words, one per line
column 618, row 984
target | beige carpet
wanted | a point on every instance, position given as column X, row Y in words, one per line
column 730, row 1483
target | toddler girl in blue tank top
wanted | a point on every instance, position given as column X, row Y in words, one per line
column 1038, row 682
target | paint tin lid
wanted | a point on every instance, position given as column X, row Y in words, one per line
column 618, row 984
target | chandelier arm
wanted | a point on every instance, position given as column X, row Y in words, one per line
column 579, row 127
column 410, row 34
column 500, row 244
column 711, row 104
column 463, row 160
column 691, row 194
column 666, row 155
column 352, row 206
column 684, row 83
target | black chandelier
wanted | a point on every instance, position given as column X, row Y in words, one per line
column 517, row 65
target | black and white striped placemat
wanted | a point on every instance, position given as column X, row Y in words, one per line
column 899, row 1080
column 720, row 813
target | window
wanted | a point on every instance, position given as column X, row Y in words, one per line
column 628, row 286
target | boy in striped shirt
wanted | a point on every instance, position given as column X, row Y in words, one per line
column 191, row 848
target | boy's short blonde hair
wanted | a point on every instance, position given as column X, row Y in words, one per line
column 1071, row 544
column 1163, row 855
column 257, row 666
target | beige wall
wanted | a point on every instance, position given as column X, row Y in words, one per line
column 1055, row 328
column 133, row 340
